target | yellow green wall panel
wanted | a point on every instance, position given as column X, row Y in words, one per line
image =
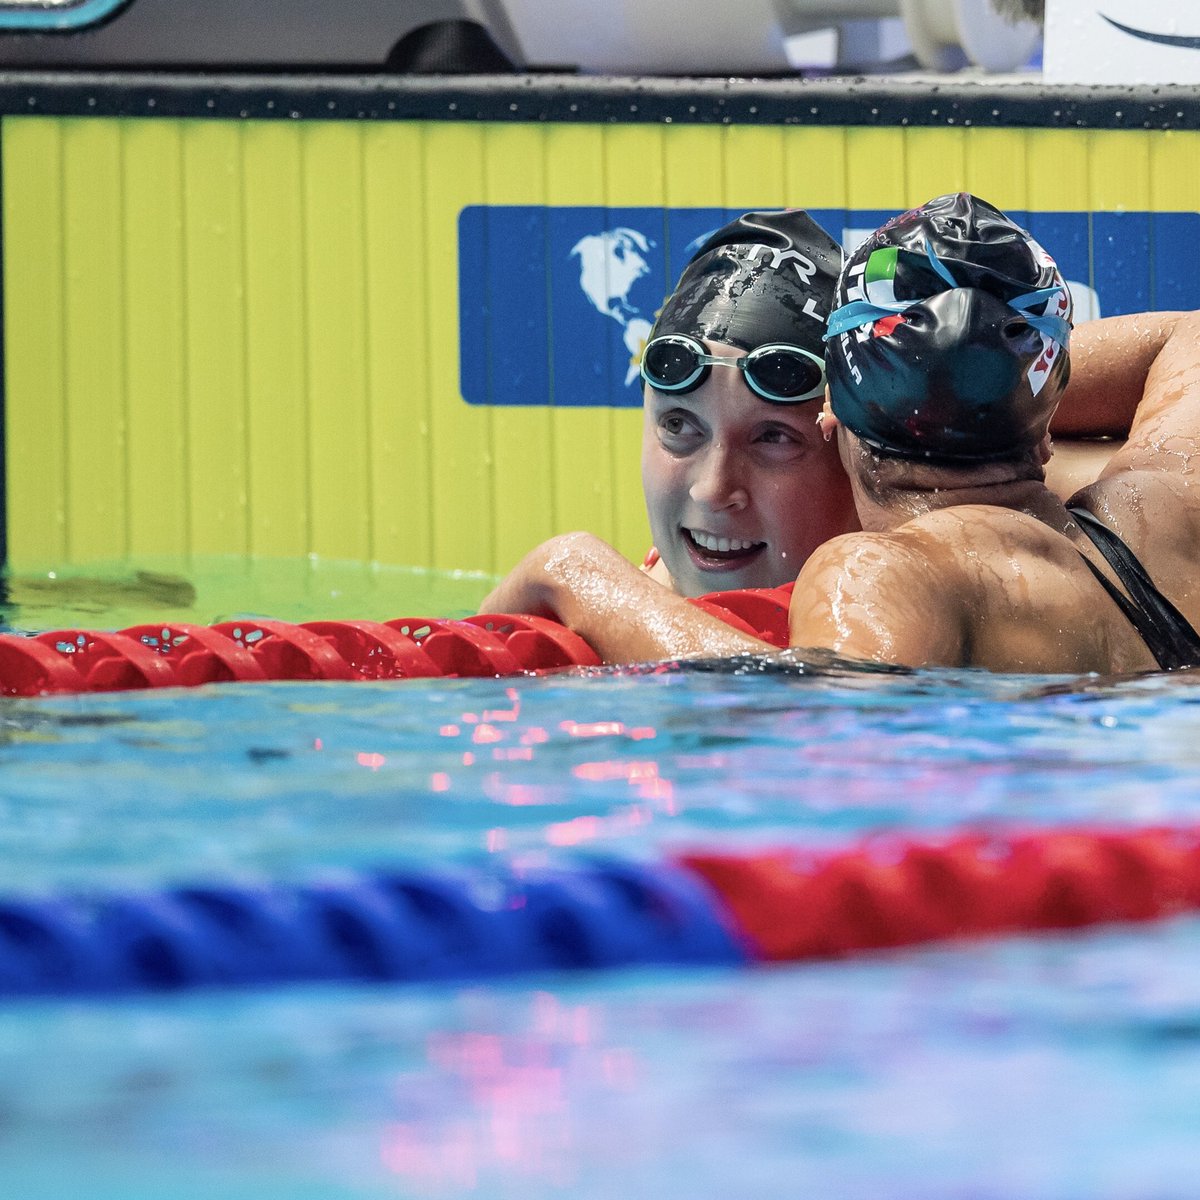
column 242, row 336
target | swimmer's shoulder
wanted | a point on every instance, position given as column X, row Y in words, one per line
column 1020, row 587
column 881, row 597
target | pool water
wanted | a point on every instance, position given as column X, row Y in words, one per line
column 1052, row 1066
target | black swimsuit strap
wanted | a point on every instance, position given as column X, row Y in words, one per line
column 1165, row 630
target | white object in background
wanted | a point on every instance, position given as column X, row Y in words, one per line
column 656, row 37
column 1122, row 41
column 745, row 37
column 816, row 49
column 1085, row 302
column 946, row 34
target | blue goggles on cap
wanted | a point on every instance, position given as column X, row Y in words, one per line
column 857, row 313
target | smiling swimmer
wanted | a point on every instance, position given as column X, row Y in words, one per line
column 740, row 486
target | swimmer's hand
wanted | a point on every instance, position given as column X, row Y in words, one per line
column 583, row 583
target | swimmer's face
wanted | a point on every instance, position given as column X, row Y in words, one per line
column 739, row 491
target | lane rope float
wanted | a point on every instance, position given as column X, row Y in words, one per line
column 501, row 919
column 174, row 654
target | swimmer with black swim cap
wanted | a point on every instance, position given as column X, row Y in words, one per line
column 948, row 357
column 949, row 339
column 734, row 465
column 762, row 283
column 739, row 486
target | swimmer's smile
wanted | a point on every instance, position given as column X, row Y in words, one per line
column 713, row 553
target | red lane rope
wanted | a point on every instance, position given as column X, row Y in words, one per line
column 175, row 654
column 762, row 612
column 883, row 892
column 890, row 892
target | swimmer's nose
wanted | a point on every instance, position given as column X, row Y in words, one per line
column 717, row 482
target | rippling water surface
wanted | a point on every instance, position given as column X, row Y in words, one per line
column 1062, row 1066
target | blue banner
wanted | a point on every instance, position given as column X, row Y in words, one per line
column 555, row 302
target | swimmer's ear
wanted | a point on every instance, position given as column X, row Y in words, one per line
column 826, row 421
column 1045, row 450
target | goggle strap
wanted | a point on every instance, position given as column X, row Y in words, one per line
column 940, row 267
column 862, row 312
column 1033, row 299
column 858, row 313
column 1057, row 329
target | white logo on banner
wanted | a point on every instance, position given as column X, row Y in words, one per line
column 1121, row 41
column 610, row 263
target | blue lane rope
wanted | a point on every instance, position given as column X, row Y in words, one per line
column 364, row 926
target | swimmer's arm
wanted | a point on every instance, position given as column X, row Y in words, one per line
column 874, row 597
column 583, row 583
column 1166, row 425
column 1110, row 362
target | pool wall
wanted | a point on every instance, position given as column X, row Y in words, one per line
column 386, row 320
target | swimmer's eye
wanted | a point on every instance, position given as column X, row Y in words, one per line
column 676, row 426
column 777, row 435
column 779, row 445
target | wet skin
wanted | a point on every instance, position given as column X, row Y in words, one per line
column 626, row 616
column 739, row 491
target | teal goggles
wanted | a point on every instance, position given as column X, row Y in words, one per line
column 778, row 372
column 920, row 278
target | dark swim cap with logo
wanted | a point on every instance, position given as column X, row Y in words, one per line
column 766, row 277
column 948, row 340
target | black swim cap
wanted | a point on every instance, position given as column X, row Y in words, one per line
column 949, row 337
column 766, row 277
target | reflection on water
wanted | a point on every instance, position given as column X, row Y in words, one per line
column 1053, row 1067
column 161, row 786
column 25, row 595
column 1042, row 1068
